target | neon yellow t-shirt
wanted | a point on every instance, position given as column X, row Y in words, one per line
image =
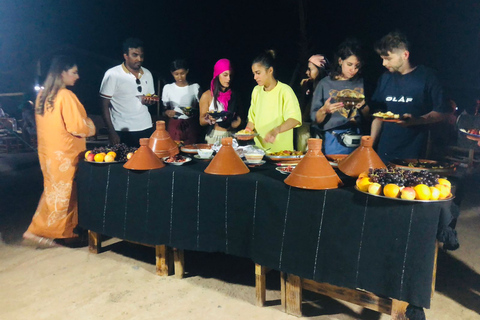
column 269, row 109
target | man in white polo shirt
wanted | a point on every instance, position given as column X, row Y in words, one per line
column 123, row 90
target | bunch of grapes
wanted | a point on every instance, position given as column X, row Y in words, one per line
column 120, row 149
column 402, row 178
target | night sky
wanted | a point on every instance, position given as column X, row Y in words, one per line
column 445, row 35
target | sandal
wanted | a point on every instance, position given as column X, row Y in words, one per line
column 38, row 242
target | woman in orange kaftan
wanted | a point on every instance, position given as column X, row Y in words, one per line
column 62, row 125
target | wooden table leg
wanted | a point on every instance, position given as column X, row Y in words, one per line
column 260, row 284
column 179, row 261
column 283, row 291
column 94, row 241
column 293, row 295
column 398, row 309
column 162, row 260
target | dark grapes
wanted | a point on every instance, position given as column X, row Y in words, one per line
column 401, row 177
column 120, row 149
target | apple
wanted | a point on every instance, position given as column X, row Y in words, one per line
column 91, row 156
column 408, row 193
column 375, row 188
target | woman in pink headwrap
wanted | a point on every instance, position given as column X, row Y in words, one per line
column 316, row 71
column 218, row 107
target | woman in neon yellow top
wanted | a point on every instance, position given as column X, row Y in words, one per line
column 274, row 109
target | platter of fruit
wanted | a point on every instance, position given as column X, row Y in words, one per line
column 110, row 154
column 285, row 155
column 424, row 164
column 177, row 160
column 404, row 185
column 471, row 132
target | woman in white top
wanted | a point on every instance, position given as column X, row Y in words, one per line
column 181, row 104
column 221, row 100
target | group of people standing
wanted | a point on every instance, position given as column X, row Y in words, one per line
column 128, row 89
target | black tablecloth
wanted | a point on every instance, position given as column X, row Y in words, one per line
column 342, row 237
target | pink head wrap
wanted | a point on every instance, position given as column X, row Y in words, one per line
column 221, row 66
column 318, row 60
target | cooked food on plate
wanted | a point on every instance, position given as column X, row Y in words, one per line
column 387, row 115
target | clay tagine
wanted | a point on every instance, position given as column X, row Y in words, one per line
column 314, row 171
column 226, row 161
column 361, row 159
column 144, row 158
column 161, row 143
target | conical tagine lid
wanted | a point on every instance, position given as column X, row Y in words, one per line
column 361, row 159
column 314, row 171
column 144, row 158
column 226, row 161
column 161, row 143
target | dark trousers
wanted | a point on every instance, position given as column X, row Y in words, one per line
column 132, row 138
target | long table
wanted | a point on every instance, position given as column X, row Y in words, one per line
column 341, row 237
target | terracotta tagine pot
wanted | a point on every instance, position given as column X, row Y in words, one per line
column 226, row 161
column 361, row 159
column 144, row 158
column 314, row 171
column 161, row 143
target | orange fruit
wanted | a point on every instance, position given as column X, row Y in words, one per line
column 391, row 190
column 363, row 183
column 112, row 153
column 445, row 182
column 444, row 191
column 434, row 193
column 109, row 158
column 363, row 174
column 374, row 188
column 99, row 157
column 422, row 192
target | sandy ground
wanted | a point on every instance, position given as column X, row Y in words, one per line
column 121, row 283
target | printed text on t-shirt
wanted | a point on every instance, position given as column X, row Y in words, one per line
column 401, row 99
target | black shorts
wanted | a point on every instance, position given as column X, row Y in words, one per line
column 132, row 138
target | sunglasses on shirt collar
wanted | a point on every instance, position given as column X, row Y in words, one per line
column 139, row 88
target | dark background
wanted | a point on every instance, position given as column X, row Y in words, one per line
column 445, row 35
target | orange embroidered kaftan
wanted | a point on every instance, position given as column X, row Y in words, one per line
column 61, row 136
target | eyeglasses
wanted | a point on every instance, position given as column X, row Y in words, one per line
column 139, row 88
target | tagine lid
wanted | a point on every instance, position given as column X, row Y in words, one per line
column 227, row 161
column 144, row 158
column 161, row 143
column 361, row 159
column 314, row 171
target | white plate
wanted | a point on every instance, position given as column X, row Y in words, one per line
column 254, row 163
column 282, row 170
column 469, row 134
column 187, row 159
column 200, row 158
